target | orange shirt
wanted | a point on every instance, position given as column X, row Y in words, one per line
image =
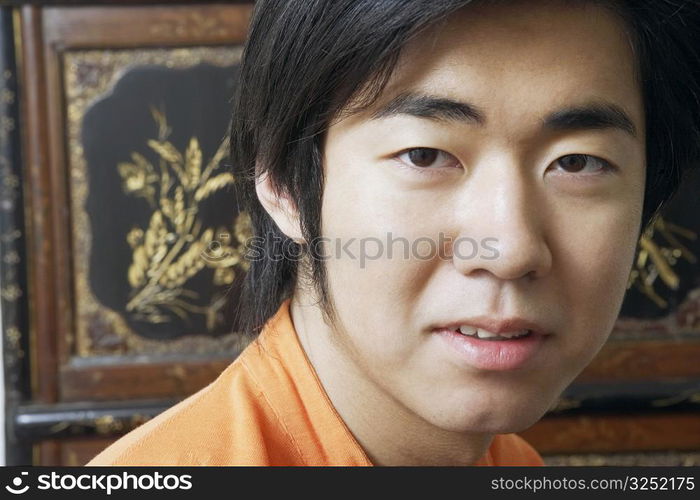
column 267, row 408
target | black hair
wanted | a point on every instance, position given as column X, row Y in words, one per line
column 305, row 60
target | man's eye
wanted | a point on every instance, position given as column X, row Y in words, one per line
column 427, row 157
column 583, row 164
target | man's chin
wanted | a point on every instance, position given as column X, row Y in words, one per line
column 513, row 421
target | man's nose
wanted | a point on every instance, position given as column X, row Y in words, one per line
column 506, row 215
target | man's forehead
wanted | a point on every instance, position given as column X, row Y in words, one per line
column 536, row 31
column 451, row 77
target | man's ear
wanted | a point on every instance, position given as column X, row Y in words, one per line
column 280, row 207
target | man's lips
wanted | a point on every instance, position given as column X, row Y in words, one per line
column 507, row 326
column 493, row 344
column 494, row 353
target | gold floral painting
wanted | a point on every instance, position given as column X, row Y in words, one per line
column 158, row 238
column 663, row 296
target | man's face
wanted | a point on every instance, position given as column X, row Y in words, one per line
column 537, row 168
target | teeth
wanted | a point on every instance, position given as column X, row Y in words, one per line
column 485, row 334
column 467, row 330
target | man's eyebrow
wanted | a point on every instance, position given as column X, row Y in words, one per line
column 431, row 107
column 594, row 115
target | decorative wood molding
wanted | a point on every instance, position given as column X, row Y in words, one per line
column 154, row 26
column 13, row 260
column 615, row 433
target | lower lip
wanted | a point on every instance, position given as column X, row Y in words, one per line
column 497, row 355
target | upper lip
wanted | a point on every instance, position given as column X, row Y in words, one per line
column 500, row 325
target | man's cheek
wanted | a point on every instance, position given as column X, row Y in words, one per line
column 599, row 258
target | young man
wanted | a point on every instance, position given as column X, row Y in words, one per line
column 464, row 184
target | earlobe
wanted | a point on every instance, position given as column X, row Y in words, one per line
column 279, row 206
